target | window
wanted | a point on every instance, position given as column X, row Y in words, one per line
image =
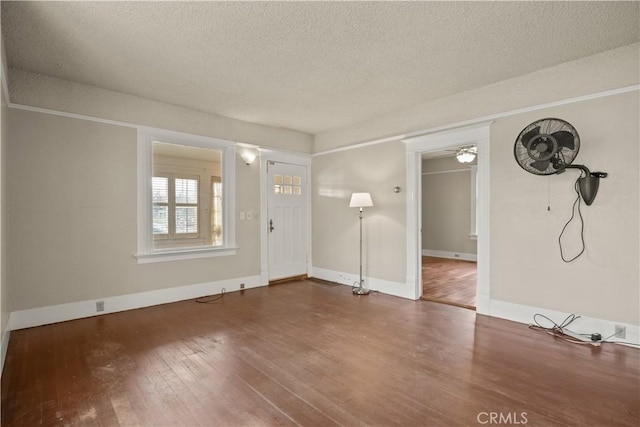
column 287, row 185
column 186, row 212
column 216, row 208
column 183, row 210
column 175, row 206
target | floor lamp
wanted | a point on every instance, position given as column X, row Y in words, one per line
column 360, row 200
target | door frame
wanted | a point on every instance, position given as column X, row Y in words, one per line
column 299, row 159
column 477, row 135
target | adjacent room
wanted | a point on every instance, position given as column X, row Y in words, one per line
column 449, row 226
column 320, row 213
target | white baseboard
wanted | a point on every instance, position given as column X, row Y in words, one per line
column 451, row 255
column 483, row 304
column 77, row 310
column 398, row 289
column 3, row 348
column 491, row 307
column 583, row 325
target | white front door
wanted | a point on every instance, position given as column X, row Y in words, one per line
column 287, row 220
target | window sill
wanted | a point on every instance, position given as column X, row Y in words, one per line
column 182, row 254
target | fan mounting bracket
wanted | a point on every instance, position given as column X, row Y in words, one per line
column 587, row 184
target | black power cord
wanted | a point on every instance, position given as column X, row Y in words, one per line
column 211, row 298
column 573, row 214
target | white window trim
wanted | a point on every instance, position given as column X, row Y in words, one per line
column 146, row 252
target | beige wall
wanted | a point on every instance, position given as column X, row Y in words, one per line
column 377, row 170
column 61, row 95
column 72, row 215
column 525, row 263
column 4, row 287
column 446, row 206
column 72, row 212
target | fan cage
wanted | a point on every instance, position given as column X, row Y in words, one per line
column 546, row 146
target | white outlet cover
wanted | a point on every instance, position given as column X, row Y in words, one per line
column 249, row 215
column 241, row 214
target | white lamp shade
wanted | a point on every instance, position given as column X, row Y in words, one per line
column 360, row 200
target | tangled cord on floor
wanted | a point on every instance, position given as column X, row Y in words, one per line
column 557, row 330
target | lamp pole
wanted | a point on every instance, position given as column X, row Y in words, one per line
column 360, row 290
column 360, row 200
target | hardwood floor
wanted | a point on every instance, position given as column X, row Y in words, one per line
column 306, row 353
column 449, row 281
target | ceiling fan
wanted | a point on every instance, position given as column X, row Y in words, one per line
column 465, row 154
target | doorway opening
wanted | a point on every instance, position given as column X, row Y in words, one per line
column 441, row 140
column 449, row 230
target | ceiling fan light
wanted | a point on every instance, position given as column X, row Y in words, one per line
column 465, row 156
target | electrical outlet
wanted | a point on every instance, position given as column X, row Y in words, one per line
column 456, row 255
column 241, row 285
column 249, row 215
column 100, row 306
column 621, row 331
column 242, row 215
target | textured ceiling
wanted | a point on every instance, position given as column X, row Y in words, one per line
column 304, row 65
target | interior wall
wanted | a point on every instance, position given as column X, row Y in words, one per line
column 4, row 291
column 335, row 227
column 41, row 91
column 446, row 206
column 525, row 261
column 83, row 249
column 525, row 265
column 72, row 215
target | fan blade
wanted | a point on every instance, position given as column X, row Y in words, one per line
column 564, row 139
column 527, row 137
column 541, row 165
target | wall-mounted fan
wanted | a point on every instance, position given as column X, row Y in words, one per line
column 549, row 146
